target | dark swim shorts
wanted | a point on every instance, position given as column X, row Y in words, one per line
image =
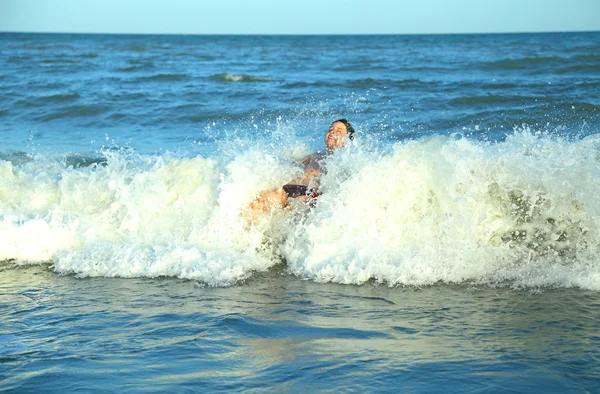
column 294, row 191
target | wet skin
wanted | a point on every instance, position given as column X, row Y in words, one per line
column 334, row 139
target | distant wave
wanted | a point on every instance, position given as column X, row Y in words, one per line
column 137, row 66
column 218, row 116
column 50, row 99
column 164, row 77
column 511, row 64
column 19, row 59
column 136, row 48
column 579, row 68
column 45, row 100
column 491, row 99
column 358, row 67
column 37, row 47
column 60, row 97
column 24, row 38
column 59, row 61
column 74, row 111
column 302, row 84
column 587, row 62
column 400, row 84
column 579, row 107
column 226, row 77
column 207, row 58
column 588, row 57
column 362, row 83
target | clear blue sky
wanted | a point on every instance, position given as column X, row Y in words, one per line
column 298, row 16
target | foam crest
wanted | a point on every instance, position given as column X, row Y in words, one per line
column 440, row 210
column 522, row 212
column 226, row 77
column 135, row 216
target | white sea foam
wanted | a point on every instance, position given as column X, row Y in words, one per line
column 241, row 78
column 522, row 212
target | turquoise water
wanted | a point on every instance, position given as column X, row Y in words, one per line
column 454, row 248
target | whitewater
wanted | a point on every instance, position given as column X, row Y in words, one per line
column 441, row 209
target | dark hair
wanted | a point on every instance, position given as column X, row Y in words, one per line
column 349, row 128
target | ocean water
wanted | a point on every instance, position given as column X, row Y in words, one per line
column 455, row 246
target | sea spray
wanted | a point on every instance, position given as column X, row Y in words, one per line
column 438, row 210
column 522, row 212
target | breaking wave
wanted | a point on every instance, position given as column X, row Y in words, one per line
column 225, row 77
column 523, row 212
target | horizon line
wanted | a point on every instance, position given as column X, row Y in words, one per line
column 300, row 34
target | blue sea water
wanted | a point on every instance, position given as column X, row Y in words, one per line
column 454, row 248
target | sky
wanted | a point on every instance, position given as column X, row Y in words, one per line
column 299, row 16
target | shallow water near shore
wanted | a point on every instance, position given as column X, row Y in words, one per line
column 278, row 333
